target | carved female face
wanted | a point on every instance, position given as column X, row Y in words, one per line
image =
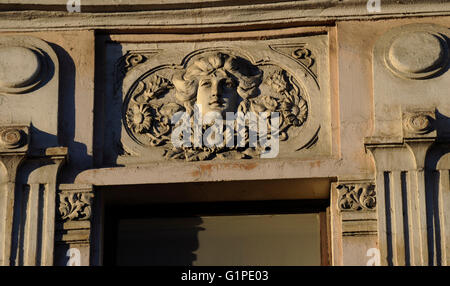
column 217, row 92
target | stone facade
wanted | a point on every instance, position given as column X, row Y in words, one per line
column 87, row 101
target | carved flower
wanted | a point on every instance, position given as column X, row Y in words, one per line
column 292, row 113
column 139, row 118
column 277, row 82
column 156, row 86
column 269, row 102
column 264, row 103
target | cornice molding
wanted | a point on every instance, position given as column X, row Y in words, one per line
column 208, row 15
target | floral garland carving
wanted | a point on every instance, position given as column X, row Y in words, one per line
column 292, row 107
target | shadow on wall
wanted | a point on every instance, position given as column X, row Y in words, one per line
column 29, row 204
column 156, row 244
column 115, row 60
column 34, row 174
column 150, row 241
column 30, row 200
column 437, row 167
column 437, row 152
column 78, row 158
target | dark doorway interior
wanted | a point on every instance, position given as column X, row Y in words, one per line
column 275, row 232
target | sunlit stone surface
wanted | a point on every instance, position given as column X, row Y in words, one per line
column 18, row 67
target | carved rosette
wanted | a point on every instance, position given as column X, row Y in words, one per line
column 162, row 92
column 75, row 206
column 356, row 197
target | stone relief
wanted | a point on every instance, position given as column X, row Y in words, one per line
column 418, row 123
column 75, row 206
column 417, row 54
column 13, row 138
column 303, row 54
column 132, row 60
column 125, row 64
column 356, row 197
column 22, row 68
column 128, row 62
column 220, row 82
column 300, row 53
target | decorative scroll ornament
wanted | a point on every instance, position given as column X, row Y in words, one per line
column 418, row 123
column 75, row 206
column 303, row 54
column 239, row 86
column 300, row 53
column 128, row 62
column 133, row 60
column 357, row 197
column 12, row 138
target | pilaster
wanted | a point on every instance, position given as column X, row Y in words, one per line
column 354, row 222
column 73, row 228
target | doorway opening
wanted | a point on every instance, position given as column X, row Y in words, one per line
column 142, row 229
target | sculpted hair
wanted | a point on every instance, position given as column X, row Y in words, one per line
column 246, row 76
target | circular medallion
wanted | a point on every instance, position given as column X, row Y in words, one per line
column 20, row 68
column 417, row 55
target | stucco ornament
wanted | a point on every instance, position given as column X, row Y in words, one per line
column 305, row 55
column 417, row 123
column 11, row 137
column 357, row 197
column 75, row 206
column 212, row 82
column 132, row 60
